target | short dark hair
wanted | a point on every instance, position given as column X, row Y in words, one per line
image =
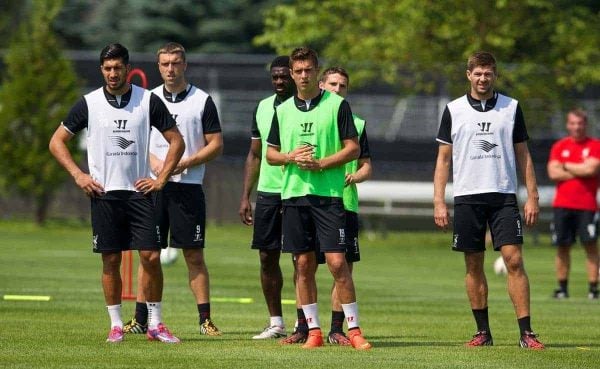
column 171, row 48
column 481, row 59
column 114, row 51
column 304, row 53
column 280, row 61
column 335, row 70
column 580, row 113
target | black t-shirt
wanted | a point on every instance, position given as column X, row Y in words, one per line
column 364, row 144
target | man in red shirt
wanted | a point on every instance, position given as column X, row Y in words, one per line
column 574, row 165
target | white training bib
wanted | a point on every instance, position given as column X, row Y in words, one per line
column 188, row 115
column 483, row 155
column 118, row 139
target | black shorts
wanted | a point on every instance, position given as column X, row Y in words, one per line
column 352, row 248
column 499, row 211
column 303, row 225
column 570, row 223
column 267, row 222
column 123, row 222
column 180, row 214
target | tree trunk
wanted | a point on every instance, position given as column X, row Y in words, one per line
column 42, row 203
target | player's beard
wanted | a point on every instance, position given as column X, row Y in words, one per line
column 120, row 84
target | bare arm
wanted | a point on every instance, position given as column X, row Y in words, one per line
column 589, row 168
column 60, row 151
column 212, row 149
column 531, row 209
column 156, row 164
column 441, row 216
column 556, row 171
column 363, row 172
column 176, row 148
column 251, row 172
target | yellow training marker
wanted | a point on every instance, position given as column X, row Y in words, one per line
column 239, row 300
column 26, row 298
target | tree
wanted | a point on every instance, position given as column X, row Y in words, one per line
column 38, row 88
column 546, row 48
column 212, row 26
column 10, row 14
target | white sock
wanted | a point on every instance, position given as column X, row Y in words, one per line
column 154, row 314
column 351, row 313
column 312, row 315
column 114, row 311
column 278, row 321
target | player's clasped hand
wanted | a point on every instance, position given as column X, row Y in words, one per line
column 88, row 185
column 304, row 158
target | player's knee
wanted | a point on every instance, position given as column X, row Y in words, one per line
column 514, row 263
column 111, row 261
column 150, row 258
column 194, row 258
column 269, row 259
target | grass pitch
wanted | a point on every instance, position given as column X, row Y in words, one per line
column 410, row 288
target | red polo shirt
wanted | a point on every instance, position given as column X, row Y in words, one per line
column 576, row 193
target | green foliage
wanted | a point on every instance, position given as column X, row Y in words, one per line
column 10, row 14
column 545, row 48
column 219, row 26
column 38, row 88
column 410, row 289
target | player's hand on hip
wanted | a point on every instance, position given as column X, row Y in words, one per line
column 349, row 180
column 245, row 212
column 147, row 185
column 88, row 185
column 531, row 211
column 441, row 216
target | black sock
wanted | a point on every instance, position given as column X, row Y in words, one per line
column 563, row 284
column 302, row 324
column 204, row 312
column 524, row 324
column 337, row 321
column 482, row 320
column 593, row 286
column 141, row 313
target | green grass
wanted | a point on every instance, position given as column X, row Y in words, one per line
column 413, row 308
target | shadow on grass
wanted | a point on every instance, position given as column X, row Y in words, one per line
column 377, row 343
column 581, row 346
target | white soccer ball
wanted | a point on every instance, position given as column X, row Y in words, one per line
column 168, row 256
column 499, row 266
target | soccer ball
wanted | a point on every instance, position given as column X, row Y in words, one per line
column 499, row 266
column 168, row 256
